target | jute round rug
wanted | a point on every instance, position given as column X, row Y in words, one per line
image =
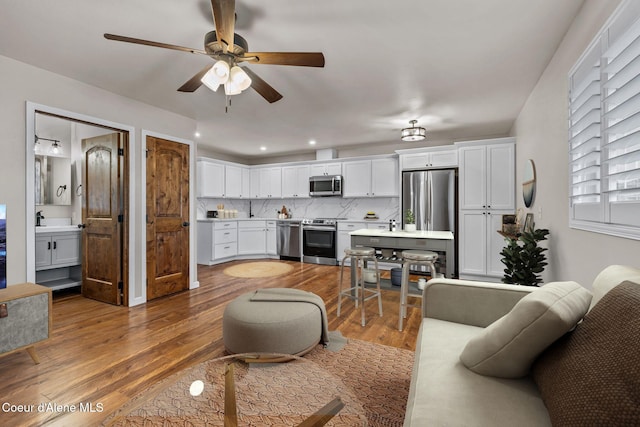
column 258, row 269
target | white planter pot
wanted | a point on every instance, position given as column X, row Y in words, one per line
column 409, row 227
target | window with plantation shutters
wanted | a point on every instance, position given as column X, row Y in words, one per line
column 604, row 129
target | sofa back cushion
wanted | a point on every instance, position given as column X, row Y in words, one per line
column 611, row 277
column 591, row 376
column 508, row 347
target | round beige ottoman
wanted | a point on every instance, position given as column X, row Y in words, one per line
column 272, row 326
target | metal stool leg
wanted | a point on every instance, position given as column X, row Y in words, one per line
column 404, row 290
column 360, row 283
column 340, row 284
column 375, row 261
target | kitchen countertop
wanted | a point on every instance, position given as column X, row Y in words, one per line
column 420, row 234
column 288, row 219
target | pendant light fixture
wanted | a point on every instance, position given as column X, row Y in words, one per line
column 413, row 133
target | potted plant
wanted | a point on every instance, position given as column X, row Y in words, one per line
column 409, row 221
column 524, row 260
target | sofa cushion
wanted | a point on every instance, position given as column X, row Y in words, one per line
column 445, row 393
column 592, row 375
column 508, row 347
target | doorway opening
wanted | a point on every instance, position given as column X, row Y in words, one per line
column 78, row 222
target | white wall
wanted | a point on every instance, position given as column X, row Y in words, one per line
column 20, row 83
column 541, row 131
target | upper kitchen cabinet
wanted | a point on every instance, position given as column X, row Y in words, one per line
column 295, row 181
column 266, row 183
column 325, row 169
column 217, row 179
column 371, row 178
column 210, row 178
column 233, row 182
column 487, row 175
column 427, row 159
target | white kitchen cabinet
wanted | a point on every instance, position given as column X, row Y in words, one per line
column 486, row 192
column 481, row 244
column 429, row 159
column 252, row 237
column 266, row 183
column 226, row 246
column 487, row 176
column 371, row 178
column 272, row 243
column 222, row 180
column 217, row 241
column 210, row 179
column 246, row 183
column 343, row 238
column 232, row 182
column 295, row 181
column 334, row 168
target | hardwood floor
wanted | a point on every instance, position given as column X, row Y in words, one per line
column 104, row 355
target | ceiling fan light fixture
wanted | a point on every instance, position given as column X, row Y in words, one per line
column 413, row 133
column 230, row 88
column 239, row 77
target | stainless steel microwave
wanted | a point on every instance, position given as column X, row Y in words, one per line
column 325, row 185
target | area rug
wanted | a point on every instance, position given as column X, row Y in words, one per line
column 372, row 380
column 250, row 270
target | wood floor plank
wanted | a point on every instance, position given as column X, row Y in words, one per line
column 104, row 354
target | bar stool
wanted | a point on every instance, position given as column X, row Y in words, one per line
column 426, row 258
column 357, row 291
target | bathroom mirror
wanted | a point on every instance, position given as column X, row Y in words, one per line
column 52, row 180
column 529, row 183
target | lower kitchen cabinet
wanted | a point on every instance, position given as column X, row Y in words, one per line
column 252, row 237
column 481, row 244
column 223, row 241
column 272, row 236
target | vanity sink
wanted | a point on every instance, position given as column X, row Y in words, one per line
column 56, row 228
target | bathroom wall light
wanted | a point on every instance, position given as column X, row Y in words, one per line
column 55, row 149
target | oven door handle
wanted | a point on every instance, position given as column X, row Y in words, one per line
column 318, row 228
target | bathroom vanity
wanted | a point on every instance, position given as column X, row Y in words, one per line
column 58, row 256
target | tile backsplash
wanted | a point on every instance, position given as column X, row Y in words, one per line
column 316, row 207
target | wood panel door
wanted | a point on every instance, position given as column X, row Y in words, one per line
column 167, row 217
column 102, row 217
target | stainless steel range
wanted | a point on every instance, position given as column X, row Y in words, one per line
column 319, row 240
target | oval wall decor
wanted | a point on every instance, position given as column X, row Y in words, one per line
column 529, row 183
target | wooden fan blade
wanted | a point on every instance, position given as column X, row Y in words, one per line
column 151, row 43
column 224, row 16
column 303, row 59
column 262, row 87
column 230, row 409
column 194, row 82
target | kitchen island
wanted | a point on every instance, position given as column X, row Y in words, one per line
column 441, row 242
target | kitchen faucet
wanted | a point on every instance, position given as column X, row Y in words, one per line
column 39, row 217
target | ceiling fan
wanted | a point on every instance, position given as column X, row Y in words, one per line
column 229, row 49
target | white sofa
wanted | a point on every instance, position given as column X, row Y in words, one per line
column 443, row 391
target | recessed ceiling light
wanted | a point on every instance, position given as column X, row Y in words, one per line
column 197, row 134
column 312, row 142
column 263, row 148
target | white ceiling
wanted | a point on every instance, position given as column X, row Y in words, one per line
column 462, row 68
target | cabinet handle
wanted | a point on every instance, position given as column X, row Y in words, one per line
column 48, row 246
column 55, row 245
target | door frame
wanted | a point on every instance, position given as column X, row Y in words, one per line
column 30, row 208
column 193, row 277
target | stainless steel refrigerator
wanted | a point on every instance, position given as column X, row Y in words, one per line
column 433, row 197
